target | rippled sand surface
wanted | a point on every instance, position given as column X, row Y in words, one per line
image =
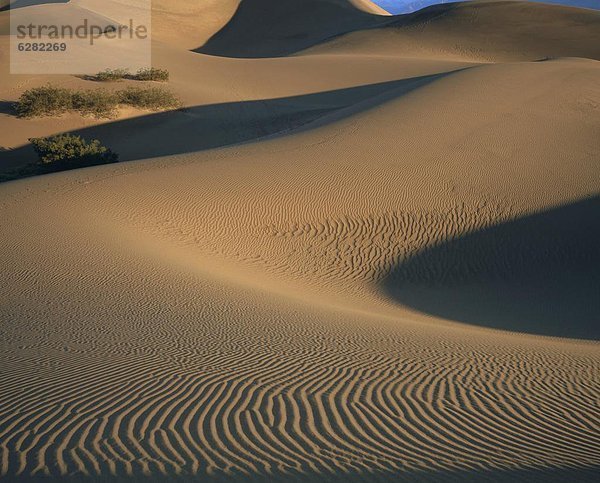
column 386, row 272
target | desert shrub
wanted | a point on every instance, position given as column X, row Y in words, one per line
column 58, row 153
column 111, row 75
column 147, row 74
column 67, row 150
column 154, row 98
column 98, row 103
column 152, row 74
column 44, row 101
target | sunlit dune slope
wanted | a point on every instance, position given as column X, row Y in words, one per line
column 227, row 313
column 488, row 31
column 532, row 149
column 189, row 23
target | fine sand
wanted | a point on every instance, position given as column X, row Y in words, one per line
column 372, row 260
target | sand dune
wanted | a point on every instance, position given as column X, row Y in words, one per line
column 480, row 31
column 189, row 23
column 488, row 31
column 259, row 102
column 268, row 290
column 369, row 6
column 261, row 28
column 536, row 274
column 353, row 60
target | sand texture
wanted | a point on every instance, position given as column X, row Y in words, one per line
column 372, row 260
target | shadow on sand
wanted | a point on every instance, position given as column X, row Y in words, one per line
column 7, row 107
column 263, row 28
column 205, row 127
column 538, row 274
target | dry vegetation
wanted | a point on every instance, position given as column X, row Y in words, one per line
column 146, row 74
column 100, row 103
column 60, row 153
column 71, row 150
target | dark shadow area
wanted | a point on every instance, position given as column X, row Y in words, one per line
column 538, row 274
column 524, row 475
column 264, row 28
column 7, row 107
column 205, row 127
column 28, row 3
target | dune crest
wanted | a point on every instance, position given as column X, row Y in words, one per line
column 262, row 28
column 369, row 6
column 489, row 31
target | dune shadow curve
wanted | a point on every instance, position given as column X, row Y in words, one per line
column 262, row 28
column 529, row 30
column 211, row 126
column 539, row 274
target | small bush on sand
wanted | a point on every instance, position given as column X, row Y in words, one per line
column 154, row 98
column 111, row 75
column 44, row 101
column 147, row 74
column 100, row 103
column 152, row 74
column 70, row 151
column 97, row 102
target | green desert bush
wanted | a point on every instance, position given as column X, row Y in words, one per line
column 70, row 151
column 62, row 152
column 44, row 101
column 154, row 98
column 147, row 74
column 100, row 103
column 111, row 75
column 152, row 74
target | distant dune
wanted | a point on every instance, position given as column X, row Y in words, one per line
column 262, row 28
column 488, row 30
column 369, row 6
column 493, row 31
column 372, row 260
